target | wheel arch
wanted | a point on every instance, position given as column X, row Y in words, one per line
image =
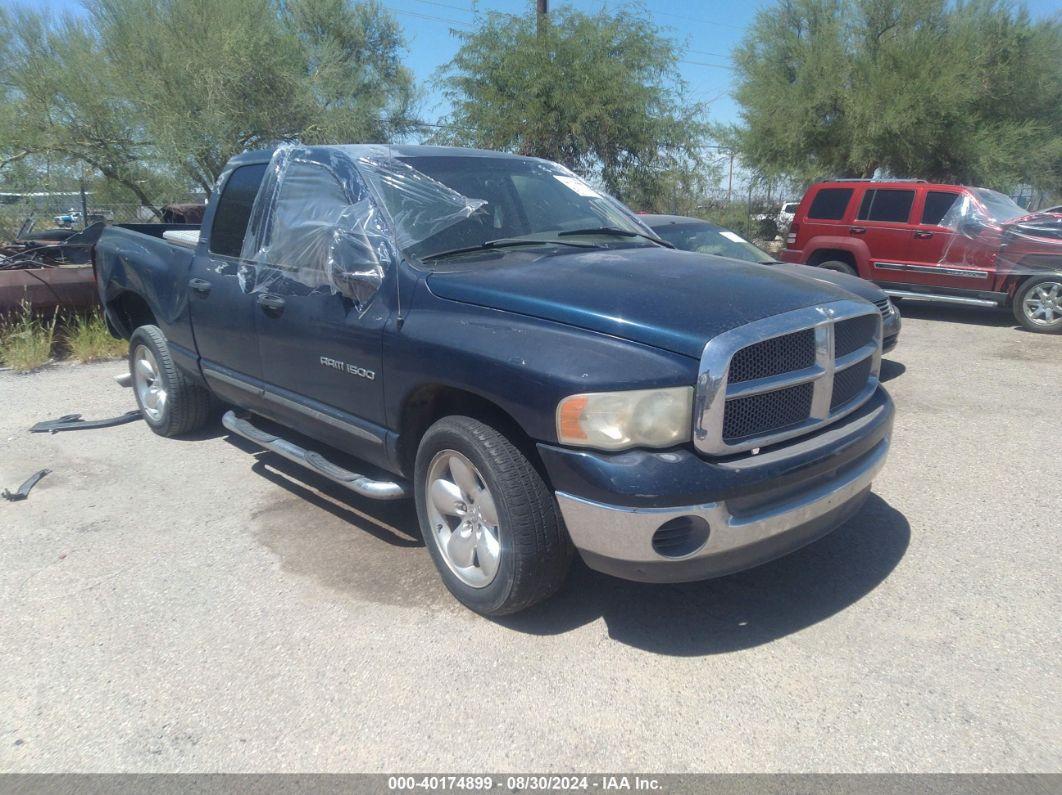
column 429, row 403
column 127, row 312
column 819, row 256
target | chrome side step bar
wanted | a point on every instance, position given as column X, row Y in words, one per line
column 944, row 299
column 359, row 484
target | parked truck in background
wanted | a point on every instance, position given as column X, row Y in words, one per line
column 925, row 241
column 516, row 351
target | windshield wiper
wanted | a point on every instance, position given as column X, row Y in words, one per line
column 616, row 232
column 505, row 242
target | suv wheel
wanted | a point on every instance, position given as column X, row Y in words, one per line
column 170, row 402
column 839, row 267
column 488, row 519
column 1038, row 304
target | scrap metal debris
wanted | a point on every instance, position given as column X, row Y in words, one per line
column 23, row 491
column 73, row 422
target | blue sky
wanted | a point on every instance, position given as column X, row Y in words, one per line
column 709, row 29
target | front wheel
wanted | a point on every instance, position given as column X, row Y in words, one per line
column 1038, row 304
column 488, row 519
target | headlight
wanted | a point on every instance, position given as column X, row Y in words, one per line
column 618, row 420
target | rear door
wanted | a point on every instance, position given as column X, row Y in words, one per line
column 220, row 287
column 883, row 221
column 826, row 214
column 321, row 351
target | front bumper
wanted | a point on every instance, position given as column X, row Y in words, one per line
column 753, row 510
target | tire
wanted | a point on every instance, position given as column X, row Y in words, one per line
column 1038, row 304
column 515, row 529
column 839, row 267
column 185, row 406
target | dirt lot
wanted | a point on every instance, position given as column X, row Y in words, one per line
column 193, row 606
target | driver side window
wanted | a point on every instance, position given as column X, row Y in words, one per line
column 309, row 205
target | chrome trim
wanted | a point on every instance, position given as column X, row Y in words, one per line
column 313, row 413
column 713, row 389
column 359, row 484
column 624, row 533
column 944, row 299
column 963, row 273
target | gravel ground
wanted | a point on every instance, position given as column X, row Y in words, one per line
column 194, row 606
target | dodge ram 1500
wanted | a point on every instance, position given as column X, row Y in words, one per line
column 493, row 337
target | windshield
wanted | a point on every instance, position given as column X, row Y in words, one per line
column 443, row 204
column 708, row 239
column 1000, row 208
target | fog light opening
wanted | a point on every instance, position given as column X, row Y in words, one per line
column 681, row 536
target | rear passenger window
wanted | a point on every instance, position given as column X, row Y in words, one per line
column 937, row 205
column 829, row 204
column 886, row 205
column 234, row 208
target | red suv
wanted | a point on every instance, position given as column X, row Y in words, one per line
column 951, row 243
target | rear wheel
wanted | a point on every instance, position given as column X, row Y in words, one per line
column 1038, row 304
column 839, row 267
column 172, row 404
column 488, row 519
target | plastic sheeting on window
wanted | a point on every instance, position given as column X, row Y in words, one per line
column 989, row 232
column 418, row 205
column 314, row 222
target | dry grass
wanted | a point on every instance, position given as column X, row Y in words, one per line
column 26, row 341
column 87, row 339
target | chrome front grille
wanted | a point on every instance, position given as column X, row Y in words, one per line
column 785, row 376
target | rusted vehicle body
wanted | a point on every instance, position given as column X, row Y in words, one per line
column 52, row 269
column 49, row 270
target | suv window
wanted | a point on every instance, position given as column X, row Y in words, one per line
column 937, row 205
column 234, row 208
column 829, row 204
column 886, row 205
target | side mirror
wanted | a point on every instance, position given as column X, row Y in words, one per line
column 358, row 284
column 971, row 227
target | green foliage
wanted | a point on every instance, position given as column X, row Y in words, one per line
column 26, row 340
column 968, row 91
column 86, row 339
column 59, row 101
column 150, row 94
column 599, row 93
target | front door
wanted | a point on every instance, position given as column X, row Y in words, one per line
column 321, row 350
column 944, row 252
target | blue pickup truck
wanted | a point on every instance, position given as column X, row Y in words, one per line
column 493, row 337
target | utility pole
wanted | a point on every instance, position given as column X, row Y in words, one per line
column 730, row 179
column 84, row 204
column 541, row 16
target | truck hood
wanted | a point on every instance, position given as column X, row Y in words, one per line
column 674, row 300
column 853, row 284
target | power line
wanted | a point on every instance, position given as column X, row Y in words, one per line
column 445, row 20
column 701, row 21
column 710, row 54
column 462, row 9
column 713, row 65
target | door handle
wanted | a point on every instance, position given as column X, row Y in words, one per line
column 199, row 286
column 271, row 304
column 923, row 235
column 857, row 230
